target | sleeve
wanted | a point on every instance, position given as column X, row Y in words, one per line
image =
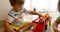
column 10, row 17
column 58, row 19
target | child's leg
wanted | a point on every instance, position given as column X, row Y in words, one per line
column 7, row 27
column 9, row 30
column 34, row 26
column 28, row 26
column 29, row 30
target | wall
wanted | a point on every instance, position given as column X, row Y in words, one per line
column 4, row 8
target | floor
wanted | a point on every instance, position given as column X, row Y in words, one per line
column 1, row 26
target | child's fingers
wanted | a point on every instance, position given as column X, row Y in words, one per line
column 21, row 17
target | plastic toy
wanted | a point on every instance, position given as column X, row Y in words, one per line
column 42, row 23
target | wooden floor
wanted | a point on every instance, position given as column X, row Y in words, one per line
column 1, row 26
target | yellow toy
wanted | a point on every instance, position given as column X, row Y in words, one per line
column 47, row 16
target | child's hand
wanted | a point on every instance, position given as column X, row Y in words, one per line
column 20, row 30
column 21, row 17
column 18, row 19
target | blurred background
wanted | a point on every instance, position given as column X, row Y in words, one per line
column 41, row 6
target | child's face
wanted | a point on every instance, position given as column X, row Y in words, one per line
column 17, row 7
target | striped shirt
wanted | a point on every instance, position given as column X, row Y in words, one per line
column 15, row 18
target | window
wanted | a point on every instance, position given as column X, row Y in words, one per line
column 41, row 5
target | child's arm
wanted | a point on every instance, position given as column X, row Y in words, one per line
column 34, row 13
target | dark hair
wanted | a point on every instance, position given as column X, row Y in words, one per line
column 13, row 2
column 59, row 5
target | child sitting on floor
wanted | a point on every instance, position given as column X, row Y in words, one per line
column 15, row 18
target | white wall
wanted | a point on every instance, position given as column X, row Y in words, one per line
column 4, row 8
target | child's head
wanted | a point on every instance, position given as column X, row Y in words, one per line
column 59, row 5
column 17, row 4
